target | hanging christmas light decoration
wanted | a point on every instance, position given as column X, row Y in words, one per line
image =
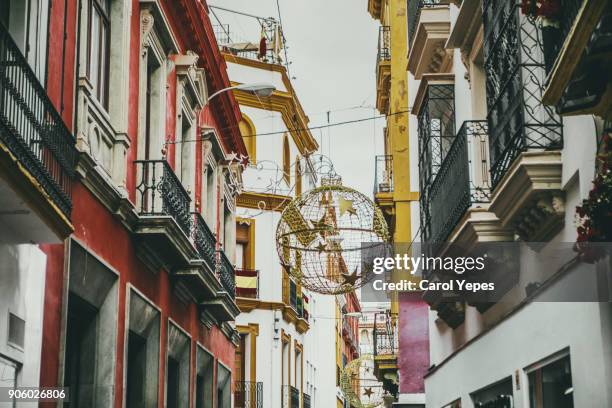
column 358, row 384
column 323, row 234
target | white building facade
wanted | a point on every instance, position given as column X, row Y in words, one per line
column 500, row 160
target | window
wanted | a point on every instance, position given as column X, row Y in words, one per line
column 153, row 134
column 298, row 176
column 248, row 131
column 177, row 369
column 204, row 379
column 142, row 353
column 99, row 49
column 498, row 395
column 224, row 397
column 286, row 160
column 550, row 386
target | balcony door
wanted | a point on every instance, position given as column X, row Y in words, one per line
column 27, row 22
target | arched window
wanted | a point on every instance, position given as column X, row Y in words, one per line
column 298, row 176
column 286, row 159
column 247, row 130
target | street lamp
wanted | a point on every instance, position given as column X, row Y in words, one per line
column 258, row 89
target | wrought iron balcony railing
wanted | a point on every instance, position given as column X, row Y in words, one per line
column 414, row 12
column 554, row 37
column 204, row 240
column 384, row 44
column 291, row 397
column 227, row 275
column 436, row 134
column 306, row 398
column 247, row 283
column 292, row 294
column 514, row 66
column 454, row 188
column 162, row 194
column 385, row 342
column 31, row 128
column 384, row 339
column 295, row 397
column 248, row 394
column 383, row 178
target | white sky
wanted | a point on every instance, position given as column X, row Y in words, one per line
column 332, row 46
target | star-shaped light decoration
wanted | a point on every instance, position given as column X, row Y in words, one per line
column 351, row 278
column 244, row 161
column 346, row 206
column 321, row 247
column 368, row 392
column 321, row 226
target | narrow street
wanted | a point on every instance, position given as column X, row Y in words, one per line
column 305, row 204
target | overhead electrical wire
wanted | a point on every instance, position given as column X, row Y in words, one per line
column 280, row 132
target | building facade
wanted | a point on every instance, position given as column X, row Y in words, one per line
column 508, row 129
column 119, row 181
column 396, row 191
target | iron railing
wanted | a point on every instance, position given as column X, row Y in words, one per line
column 31, row 128
column 227, row 274
column 291, row 397
column 383, row 177
column 292, row 294
column 295, row 397
column 306, row 400
column 384, row 44
column 414, row 12
column 514, row 66
column 384, row 339
column 247, row 292
column 248, row 394
column 162, row 194
column 553, row 37
column 454, row 188
column 204, row 240
column 436, row 134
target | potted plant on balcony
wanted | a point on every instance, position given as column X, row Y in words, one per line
column 594, row 216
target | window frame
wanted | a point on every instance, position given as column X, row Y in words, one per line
column 98, row 6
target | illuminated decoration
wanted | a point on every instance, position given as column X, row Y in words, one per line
column 321, row 235
column 360, row 388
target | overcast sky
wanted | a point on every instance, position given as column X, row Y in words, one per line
column 332, row 47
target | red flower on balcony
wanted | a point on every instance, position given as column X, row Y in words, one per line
column 594, row 216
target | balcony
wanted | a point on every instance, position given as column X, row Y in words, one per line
column 525, row 136
column 306, row 398
column 248, row 394
column 223, row 306
column 37, row 153
column 385, row 346
column 291, row 397
column 383, row 69
column 383, row 178
column 247, row 283
column 428, row 30
column 577, row 57
column 163, row 228
column 461, row 185
column 295, row 309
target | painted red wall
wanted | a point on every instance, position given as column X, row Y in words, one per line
column 413, row 354
column 96, row 228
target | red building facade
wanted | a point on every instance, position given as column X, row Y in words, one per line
column 138, row 207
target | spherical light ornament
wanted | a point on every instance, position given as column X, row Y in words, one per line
column 360, row 387
column 322, row 234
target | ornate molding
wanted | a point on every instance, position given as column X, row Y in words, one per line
column 262, row 201
column 529, row 198
column 427, row 53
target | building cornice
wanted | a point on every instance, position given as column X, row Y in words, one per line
column 262, row 201
column 284, row 102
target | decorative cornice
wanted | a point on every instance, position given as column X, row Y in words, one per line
column 287, row 103
column 427, row 52
column 262, row 201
